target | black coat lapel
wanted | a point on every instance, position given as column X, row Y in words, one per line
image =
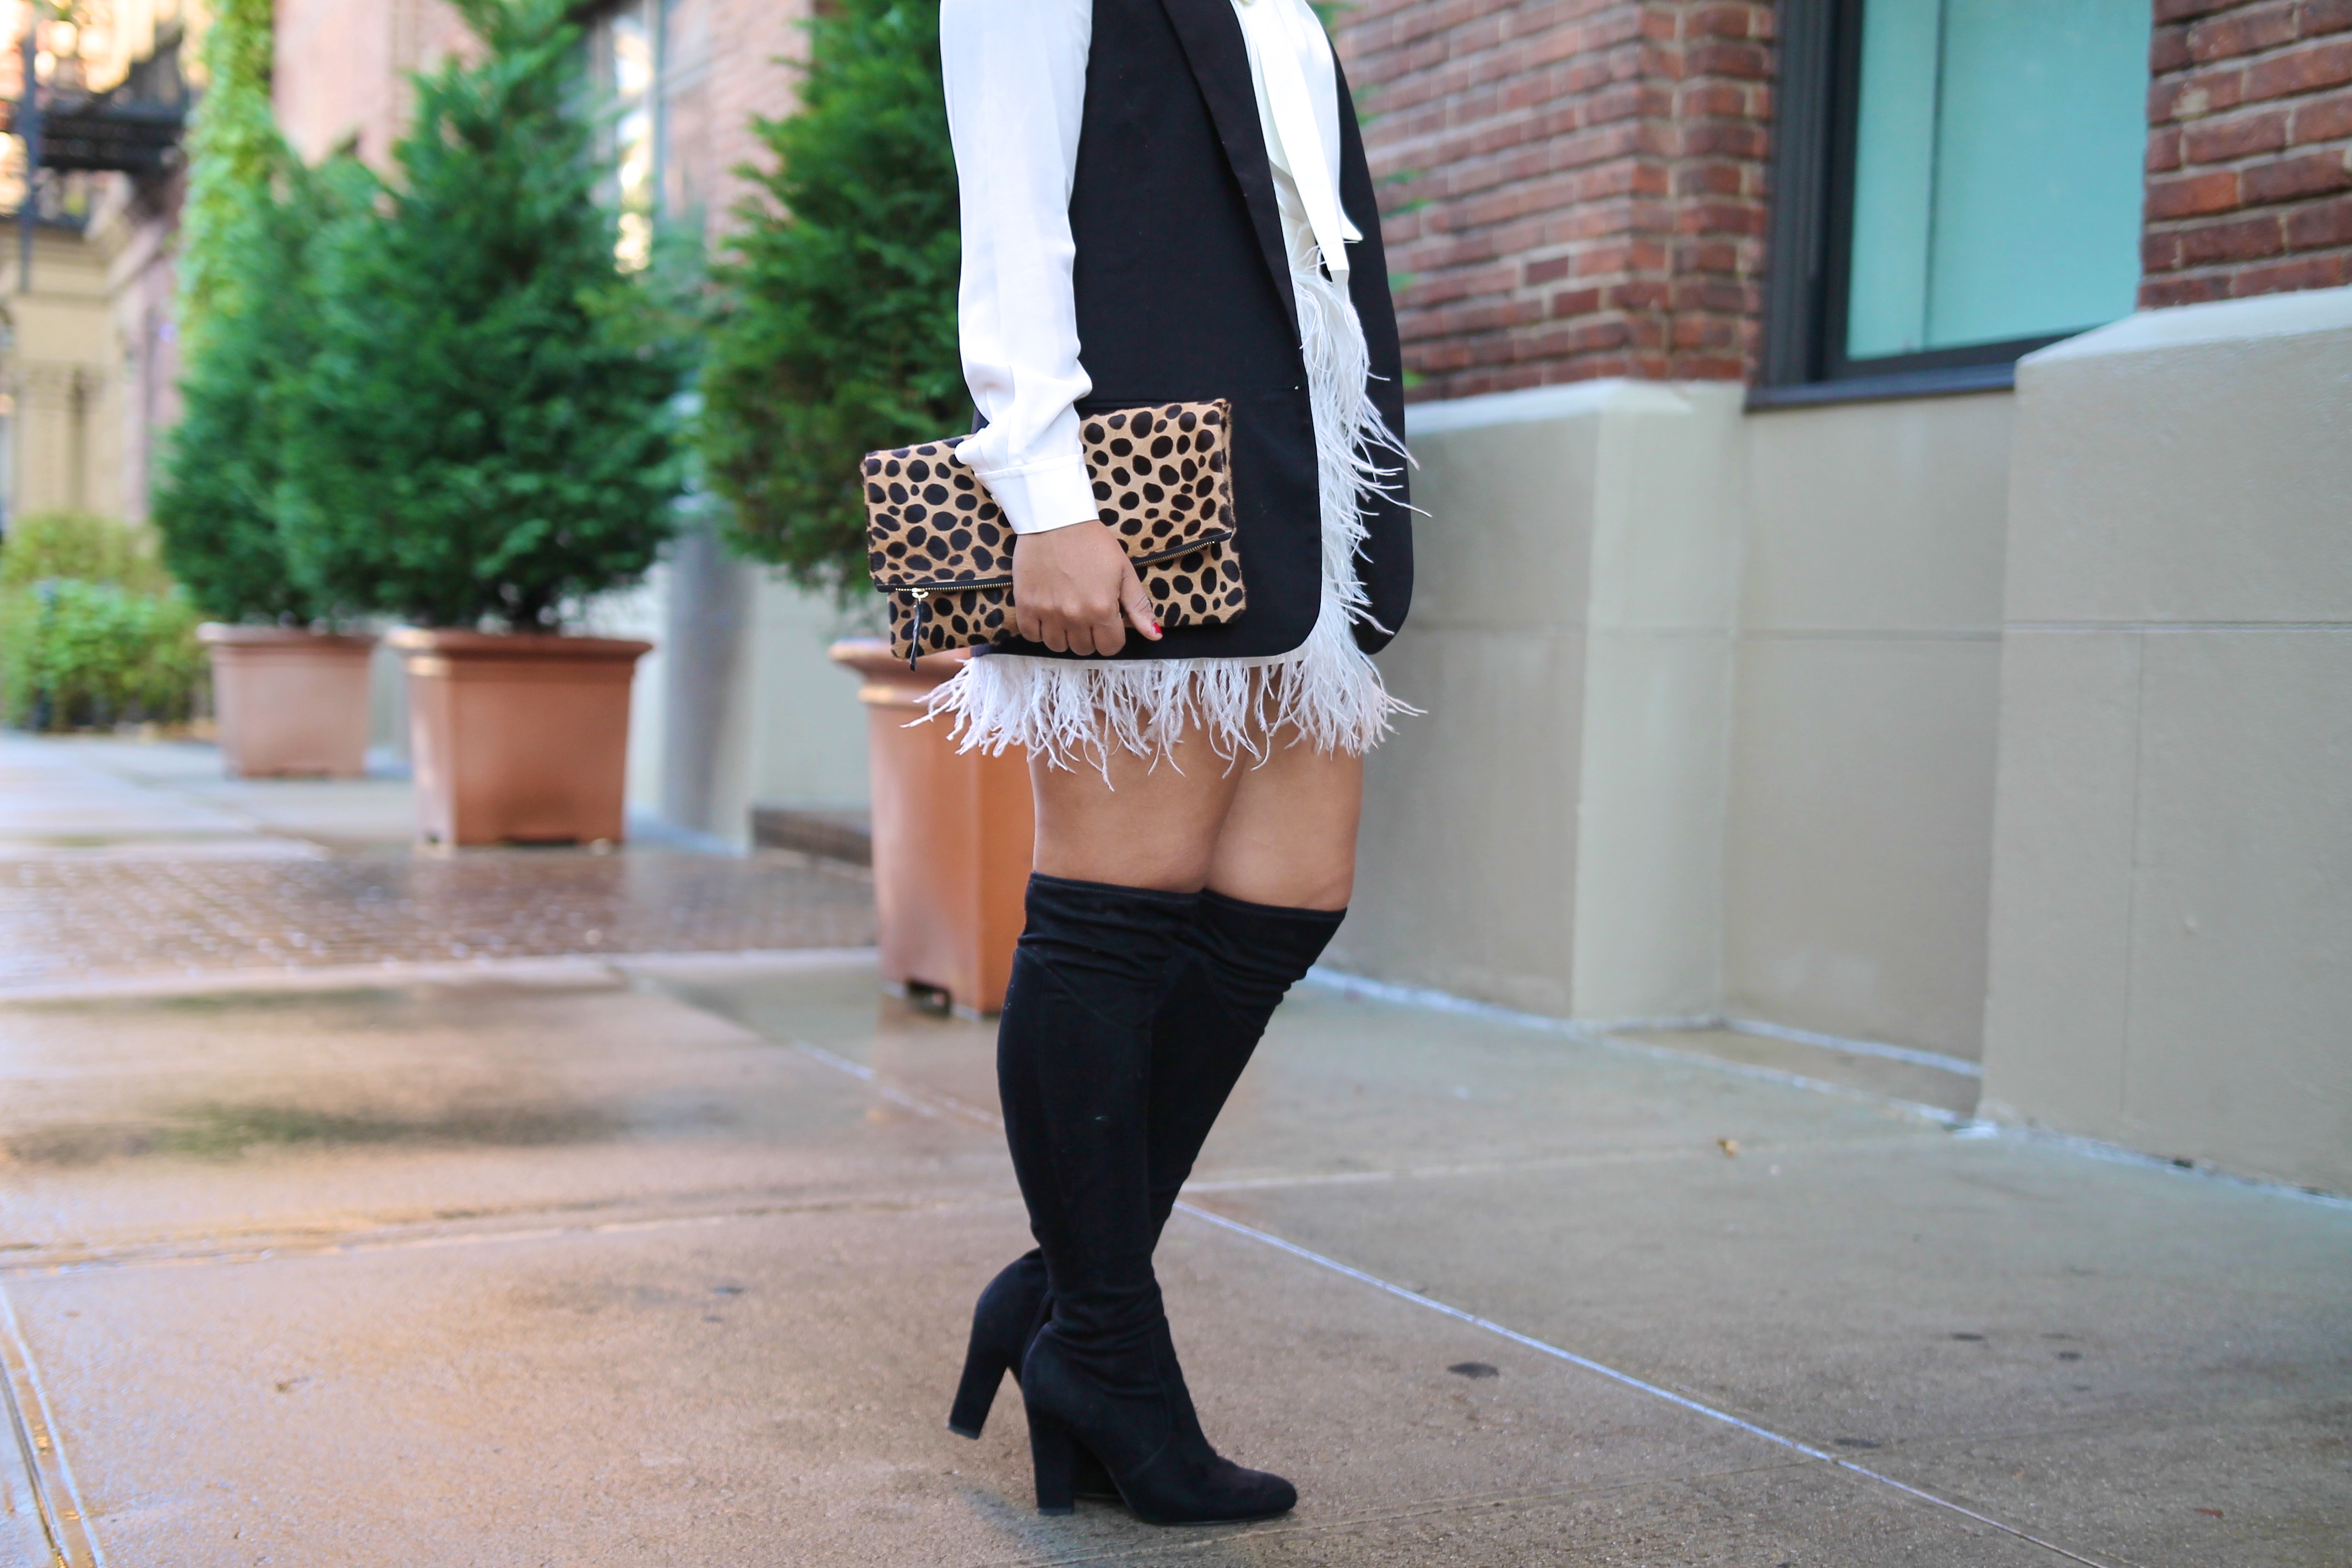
column 1220, row 60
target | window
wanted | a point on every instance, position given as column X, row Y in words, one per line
column 649, row 61
column 1959, row 182
column 622, row 43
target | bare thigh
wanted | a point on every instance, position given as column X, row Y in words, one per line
column 1289, row 836
column 1281, row 831
column 1149, row 823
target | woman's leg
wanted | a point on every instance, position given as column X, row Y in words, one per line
column 1140, row 823
column 1119, row 863
column 1288, row 839
column 1273, row 842
column 1276, row 892
column 1150, row 830
column 1276, row 843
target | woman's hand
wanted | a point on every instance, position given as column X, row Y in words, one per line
column 1072, row 586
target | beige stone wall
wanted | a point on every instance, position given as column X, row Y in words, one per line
column 1548, row 835
column 2171, row 909
column 135, row 230
column 59, row 375
column 1712, row 703
column 1863, row 754
column 780, row 725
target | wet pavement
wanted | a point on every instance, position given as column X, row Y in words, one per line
column 667, row 1261
column 603, row 1258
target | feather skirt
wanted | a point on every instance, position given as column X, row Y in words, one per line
column 1328, row 689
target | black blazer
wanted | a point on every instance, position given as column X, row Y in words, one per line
column 1183, row 295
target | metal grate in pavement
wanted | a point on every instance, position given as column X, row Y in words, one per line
column 98, row 918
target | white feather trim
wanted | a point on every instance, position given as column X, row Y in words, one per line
column 1063, row 709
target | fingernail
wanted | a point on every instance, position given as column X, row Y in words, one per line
column 1155, row 629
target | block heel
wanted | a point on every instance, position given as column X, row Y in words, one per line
column 1054, row 1454
column 983, row 1371
column 1008, row 1313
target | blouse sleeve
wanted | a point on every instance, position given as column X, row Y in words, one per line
column 1015, row 73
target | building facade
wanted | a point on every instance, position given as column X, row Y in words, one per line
column 1831, row 416
column 80, row 383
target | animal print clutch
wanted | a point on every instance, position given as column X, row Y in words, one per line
column 939, row 547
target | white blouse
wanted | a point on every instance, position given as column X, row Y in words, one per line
column 1016, row 74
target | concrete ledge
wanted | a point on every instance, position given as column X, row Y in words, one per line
column 1534, row 404
column 847, row 835
column 2221, row 321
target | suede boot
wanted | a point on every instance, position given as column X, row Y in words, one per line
column 1074, row 1071
column 1236, row 963
column 1230, row 969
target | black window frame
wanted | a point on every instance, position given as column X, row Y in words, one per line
column 1810, row 237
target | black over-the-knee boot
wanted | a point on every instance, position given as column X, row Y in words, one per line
column 1237, row 962
column 1074, row 1070
column 1230, row 970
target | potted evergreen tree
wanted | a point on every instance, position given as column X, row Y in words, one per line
column 291, row 692
column 486, row 438
column 834, row 333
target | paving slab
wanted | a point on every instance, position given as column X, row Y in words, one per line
column 2258, row 1483
column 121, row 861
column 1355, row 1090
column 770, row 1389
column 54, row 790
column 161, row 1126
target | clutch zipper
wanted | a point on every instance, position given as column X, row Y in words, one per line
column 915, row 637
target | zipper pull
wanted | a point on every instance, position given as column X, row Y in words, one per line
column 915, row 636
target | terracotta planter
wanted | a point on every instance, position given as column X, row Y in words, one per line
column 517, row 738
column 289, row 701
column 952, row 836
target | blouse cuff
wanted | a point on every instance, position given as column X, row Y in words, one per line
column 1038, row 497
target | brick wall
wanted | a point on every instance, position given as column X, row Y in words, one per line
column 340, row 67
column 1586, row 183
column 728, row 62
column 2250, row 149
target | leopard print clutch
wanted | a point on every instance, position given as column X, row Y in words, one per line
column 939, row 547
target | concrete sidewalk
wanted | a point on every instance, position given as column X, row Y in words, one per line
column 668, row 1261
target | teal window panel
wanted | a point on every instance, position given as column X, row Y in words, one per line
column 1999, row 152
column 1894, row 178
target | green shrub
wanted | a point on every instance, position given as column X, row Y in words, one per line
column 224, row 472
column 248, row 332
column 234, row 160
column 91, row 629
column 834, row 329
column 485, row 431
column 82, row 545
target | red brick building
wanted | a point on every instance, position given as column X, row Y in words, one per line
column 2250, row 149
column 1885, row 576
column 690, row 75
column 1586, row 187
column 1579, row 183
